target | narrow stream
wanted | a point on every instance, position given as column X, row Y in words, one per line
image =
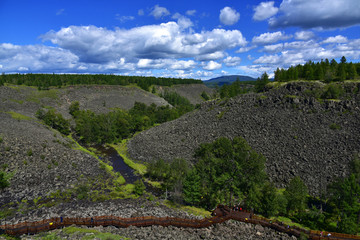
column 118, row 163
column 120, row 166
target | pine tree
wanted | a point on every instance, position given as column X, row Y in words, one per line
column 261, row 83
column 341, row 72
column 295, row 194
column 343, row 59
column 192, row 188
column 277, row 75
column 351, row 71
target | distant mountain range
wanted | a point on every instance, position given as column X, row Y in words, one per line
column 227, row 80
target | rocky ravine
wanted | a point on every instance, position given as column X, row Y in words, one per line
column 43, row 162
column 295, row 132
column 41, row 159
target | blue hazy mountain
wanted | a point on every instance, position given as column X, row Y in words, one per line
column 227, row 80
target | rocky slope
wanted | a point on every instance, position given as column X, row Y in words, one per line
column 104, row 98
column 298, row 134
column 190, row 91
column 40, row 160
column 141, row 207
column 227, row 230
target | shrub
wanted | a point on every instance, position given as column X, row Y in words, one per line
column 139, row 187
column 74, row 108
column 29, row 152
column 4, row 180
column 82, row 192
column 54, row 120
column 335, row 126
column 205, row 96
column 333, row 91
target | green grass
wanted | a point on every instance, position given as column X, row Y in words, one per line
column 291, row 96
column 287, row 221
column 189, row 209
column 17, row 101
column 153, row 183
column 7, row 212
column 352, row 81
column 7, row 237
column 128, row 188
column 79, row 147
column 280, row 84
column 121, row 148
column 18, row 116
column 79, row 233
column 37, row 95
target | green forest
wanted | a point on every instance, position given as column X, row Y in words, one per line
column 112, row 127
column 231, row 172
column 44, row 81
column 324, row 70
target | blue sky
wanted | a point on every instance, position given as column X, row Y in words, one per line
column 188, row 39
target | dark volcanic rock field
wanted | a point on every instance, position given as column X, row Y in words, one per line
column 298, row 134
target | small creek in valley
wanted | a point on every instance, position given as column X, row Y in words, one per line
column 118, row 164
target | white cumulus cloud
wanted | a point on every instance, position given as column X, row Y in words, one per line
column 35, row 58
column 167, row 40
column 304, row 35
column 264, row 11
column 159, row 12
column 211, row 56
column 232, row 61
column 273, row 48
column 211, row 65
column 336, row 39
column 299, row 52
column 321, row 13
column 268, row 38
column 183, row 21
column 229, row 16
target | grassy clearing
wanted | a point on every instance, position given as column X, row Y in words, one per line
column 352, row 81
column 189, row 209
column 121, row 148
column 18, row 116
column 287, row 221
column 37, row 95
column 18, row 87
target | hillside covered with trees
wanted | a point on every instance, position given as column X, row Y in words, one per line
column 324, row 70
column 44, row 81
